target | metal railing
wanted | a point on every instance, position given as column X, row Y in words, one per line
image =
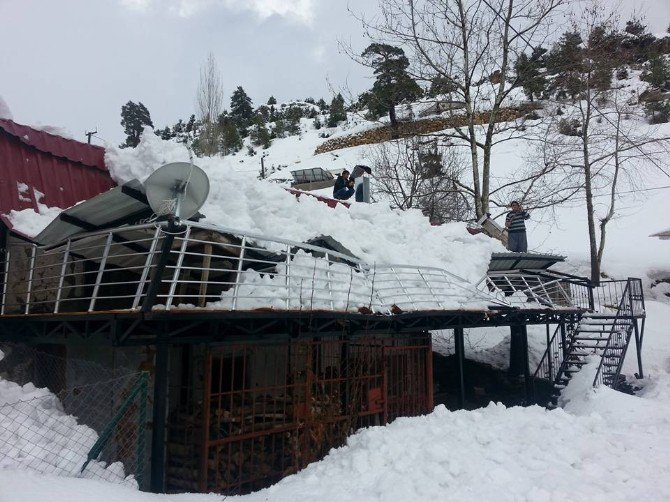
column 156, row 266
column 533, row 289
column 614, row 352
column 552, row 360
column 622, row 299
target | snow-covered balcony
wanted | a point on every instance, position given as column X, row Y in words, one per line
column 200, row 266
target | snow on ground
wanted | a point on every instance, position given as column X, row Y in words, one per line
column 37, row 435
column 604, row 445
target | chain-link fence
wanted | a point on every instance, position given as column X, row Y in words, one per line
column 72, row 417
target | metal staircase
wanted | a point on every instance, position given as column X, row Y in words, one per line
column 616, row 316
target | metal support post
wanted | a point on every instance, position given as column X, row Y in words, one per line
column 564, row 345
column 31, row 272
column 157, row 279
column 159, row 421
column 550, row 355
column 638, row 347
column 429, row 373
column 459, row 344
column 528, row 384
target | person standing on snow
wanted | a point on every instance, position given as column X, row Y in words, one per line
column 341, row 182
column 516, row 228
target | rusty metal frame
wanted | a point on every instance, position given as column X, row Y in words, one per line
column 269, row 409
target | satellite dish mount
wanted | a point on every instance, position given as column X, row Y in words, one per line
column 177, row 190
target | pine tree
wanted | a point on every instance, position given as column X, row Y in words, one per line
column 241, row 110
column 528, row 73
column 230, row 139
column 565, row 61
column 393, row 84
column 337, row 112
column 259, row 134
column 272, row 100
column 323, row 106
column 134, row 117
column 441, row 85
column 191, row 125
column 658, row 73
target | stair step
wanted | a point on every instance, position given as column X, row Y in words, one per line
column 583, row 330
column 594, row 338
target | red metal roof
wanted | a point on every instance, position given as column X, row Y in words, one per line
column 64, row 170
column 89, row 155
column 326, row 200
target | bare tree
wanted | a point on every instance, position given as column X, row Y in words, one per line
column 602, row 138
column 472, row 45
column 421, row 174
column 209, row 100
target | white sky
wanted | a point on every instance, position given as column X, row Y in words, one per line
column 73, row 63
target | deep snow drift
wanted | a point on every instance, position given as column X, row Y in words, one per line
column 37, row 435
column 372, row 232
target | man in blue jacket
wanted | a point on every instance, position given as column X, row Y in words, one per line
column 516, row 228
column 346, row 192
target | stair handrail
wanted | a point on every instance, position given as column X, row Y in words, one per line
column 546, row 358
column 625, row 300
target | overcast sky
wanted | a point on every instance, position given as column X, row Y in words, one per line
column 73, row 63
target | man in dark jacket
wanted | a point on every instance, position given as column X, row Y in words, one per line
column 341, row 182
column 516, row 228
column 346, row 192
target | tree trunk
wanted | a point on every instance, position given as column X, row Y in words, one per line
column 394, row 121
column 588, row 192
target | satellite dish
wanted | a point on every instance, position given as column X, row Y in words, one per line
column 177, row 189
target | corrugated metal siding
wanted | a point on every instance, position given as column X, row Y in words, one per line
column 89, row 155
column 62, row 180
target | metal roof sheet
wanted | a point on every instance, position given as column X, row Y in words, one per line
column 118, row 206
column 516, row 261
column 89, row 155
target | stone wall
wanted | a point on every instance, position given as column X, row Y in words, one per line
column 418, row 127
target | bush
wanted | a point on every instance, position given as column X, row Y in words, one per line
column 570, row 127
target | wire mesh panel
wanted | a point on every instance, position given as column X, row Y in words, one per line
column 269, row 409
column 93, row 428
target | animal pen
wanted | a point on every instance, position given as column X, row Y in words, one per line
column 265, row 353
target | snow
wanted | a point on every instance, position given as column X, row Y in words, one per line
column 38, row 436
column 28, row 221
column 604, row 446
column 5, row 112
column 372, row 232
